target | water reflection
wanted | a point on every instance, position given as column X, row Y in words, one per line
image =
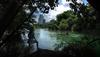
column 46, row 39
column 55, row 40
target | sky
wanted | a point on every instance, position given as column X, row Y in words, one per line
column 63, row 6
column 85, row 2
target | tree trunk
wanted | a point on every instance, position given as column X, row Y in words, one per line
column 10, row 11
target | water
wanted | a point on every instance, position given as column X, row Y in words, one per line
column 46, row 38
column 54, row 40
column 57, row 40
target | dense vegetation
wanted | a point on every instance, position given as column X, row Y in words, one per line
column 83, row 19
column 15, row 21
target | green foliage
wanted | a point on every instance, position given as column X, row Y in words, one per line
column 64, row 15
column 81, row 17
column 63, row 25
column 52, row 25
column 11, row 26
column 65, row 21
column 86, row 15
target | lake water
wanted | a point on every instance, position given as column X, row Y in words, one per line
column 57, row 40
column 54, row 40
column 45, row 38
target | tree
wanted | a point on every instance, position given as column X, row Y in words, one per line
column 84, row 13
column 69, row 19
column 63, row 25
column 14, row 18
column 52, row 24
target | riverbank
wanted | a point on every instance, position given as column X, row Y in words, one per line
column 66, row 52
column 55, row 40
